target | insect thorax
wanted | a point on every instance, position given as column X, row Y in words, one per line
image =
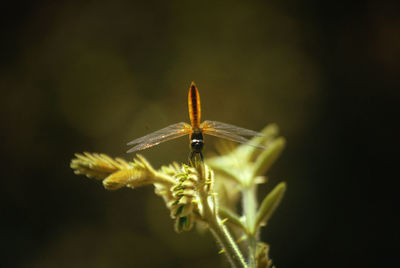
column 196, row 141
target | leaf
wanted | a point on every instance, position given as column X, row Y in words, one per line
column 231, row 216
column 270, row 203
column 98, row 166
column 268, row 157
column 249, row 153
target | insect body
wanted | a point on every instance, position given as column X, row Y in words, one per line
column 195, row 129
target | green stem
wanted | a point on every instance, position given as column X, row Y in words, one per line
column 230, row 247
column 250, row 212
column 218, row 229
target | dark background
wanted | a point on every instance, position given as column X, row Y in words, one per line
column 91, row 76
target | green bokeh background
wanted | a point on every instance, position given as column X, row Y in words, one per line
column 91, row 76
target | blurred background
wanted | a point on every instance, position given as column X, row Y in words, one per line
column 91, row 76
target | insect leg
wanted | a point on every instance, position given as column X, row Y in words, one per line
column 195, row 158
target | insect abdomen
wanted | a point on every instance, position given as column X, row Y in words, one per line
column 194, row 106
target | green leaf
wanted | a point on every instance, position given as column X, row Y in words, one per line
column 270, row 203
column 231, row 216
column 249, row 153
column 268, row 157
column 183, row 224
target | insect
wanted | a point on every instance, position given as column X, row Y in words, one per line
column 195, row 129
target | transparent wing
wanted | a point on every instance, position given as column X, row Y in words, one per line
column 171, row 132
column 230, row 132
column 219, row 126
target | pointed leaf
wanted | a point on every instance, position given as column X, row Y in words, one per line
column 231, row 216
column 270, row 203
column 268, row 157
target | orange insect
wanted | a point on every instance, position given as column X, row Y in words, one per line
column 196, row 130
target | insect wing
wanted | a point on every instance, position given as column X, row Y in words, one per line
column 168, row 133
column 230, row 132
column 219, row 126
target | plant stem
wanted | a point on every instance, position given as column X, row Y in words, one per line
column 223, row 236
column 249, row 210
column 218, row 229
